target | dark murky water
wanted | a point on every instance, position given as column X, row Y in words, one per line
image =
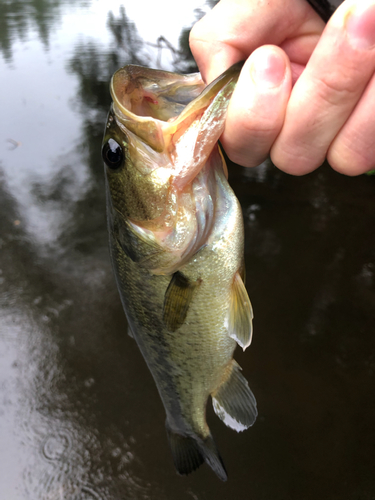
column 80, row 417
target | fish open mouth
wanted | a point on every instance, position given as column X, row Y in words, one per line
column 158, row 105
column 140, row 92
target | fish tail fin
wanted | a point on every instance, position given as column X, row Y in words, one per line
column 190, row 452
column 233, row 401
column 212, row 457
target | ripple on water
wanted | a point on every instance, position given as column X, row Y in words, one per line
column 87, row 493
column 57, row 446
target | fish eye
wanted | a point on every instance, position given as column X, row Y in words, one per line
column 112, row 154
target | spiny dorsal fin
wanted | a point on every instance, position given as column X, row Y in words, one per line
column 240, row 322
column 177, row 300
column 233, row 401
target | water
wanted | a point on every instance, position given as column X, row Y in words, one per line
column 80, row 417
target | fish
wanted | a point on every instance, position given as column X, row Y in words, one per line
column 176, row 239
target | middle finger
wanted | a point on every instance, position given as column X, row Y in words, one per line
column 329, row 88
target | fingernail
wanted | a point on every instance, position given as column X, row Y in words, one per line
column 268, row 68
column 360, row 25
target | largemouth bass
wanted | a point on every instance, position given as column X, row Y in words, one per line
column 176, row 242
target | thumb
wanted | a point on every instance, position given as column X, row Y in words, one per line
column 257, row 109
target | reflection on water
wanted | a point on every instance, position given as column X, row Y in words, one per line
column 18, row 18
column 80, row 417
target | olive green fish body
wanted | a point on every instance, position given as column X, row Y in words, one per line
column 176, row 239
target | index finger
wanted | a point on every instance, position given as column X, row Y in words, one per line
column 233, row 29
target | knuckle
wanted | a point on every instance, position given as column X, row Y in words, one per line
column 246, row 150
column 249, row 145
column 246, row 158
column 336, row 88
column 203, row 30
column 262, row 132
column 295, row 160
column 195, row 37
column 351, row 161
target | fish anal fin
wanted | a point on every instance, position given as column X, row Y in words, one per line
column 190, row 452
column 233, row 401
column 240, row 321
column 177, row 299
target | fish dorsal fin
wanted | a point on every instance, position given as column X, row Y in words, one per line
column 240, row 322
column 233, row 401
column 177, row 299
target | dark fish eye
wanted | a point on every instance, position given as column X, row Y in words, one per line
column 112, row 154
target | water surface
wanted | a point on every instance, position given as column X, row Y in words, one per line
column 80, row 417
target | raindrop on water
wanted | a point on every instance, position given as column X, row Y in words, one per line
column 57, row 445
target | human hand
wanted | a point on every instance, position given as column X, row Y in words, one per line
column 306, row 95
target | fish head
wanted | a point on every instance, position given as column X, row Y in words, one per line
column 135, row 146
column 161, row 130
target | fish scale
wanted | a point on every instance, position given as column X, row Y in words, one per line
column 176, row 243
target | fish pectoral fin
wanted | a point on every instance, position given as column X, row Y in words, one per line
column 189, row 453
column 240, row 321
column 177, row 299
column 233, row 401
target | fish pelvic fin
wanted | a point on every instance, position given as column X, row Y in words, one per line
column 190, row 452
column 233, row 401
column 240, row 324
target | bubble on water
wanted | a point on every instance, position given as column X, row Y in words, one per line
column 56, row 446
column 251, row 212
column 132, row 439
column 366, row 276
column 89, row 382
column 116, row 452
